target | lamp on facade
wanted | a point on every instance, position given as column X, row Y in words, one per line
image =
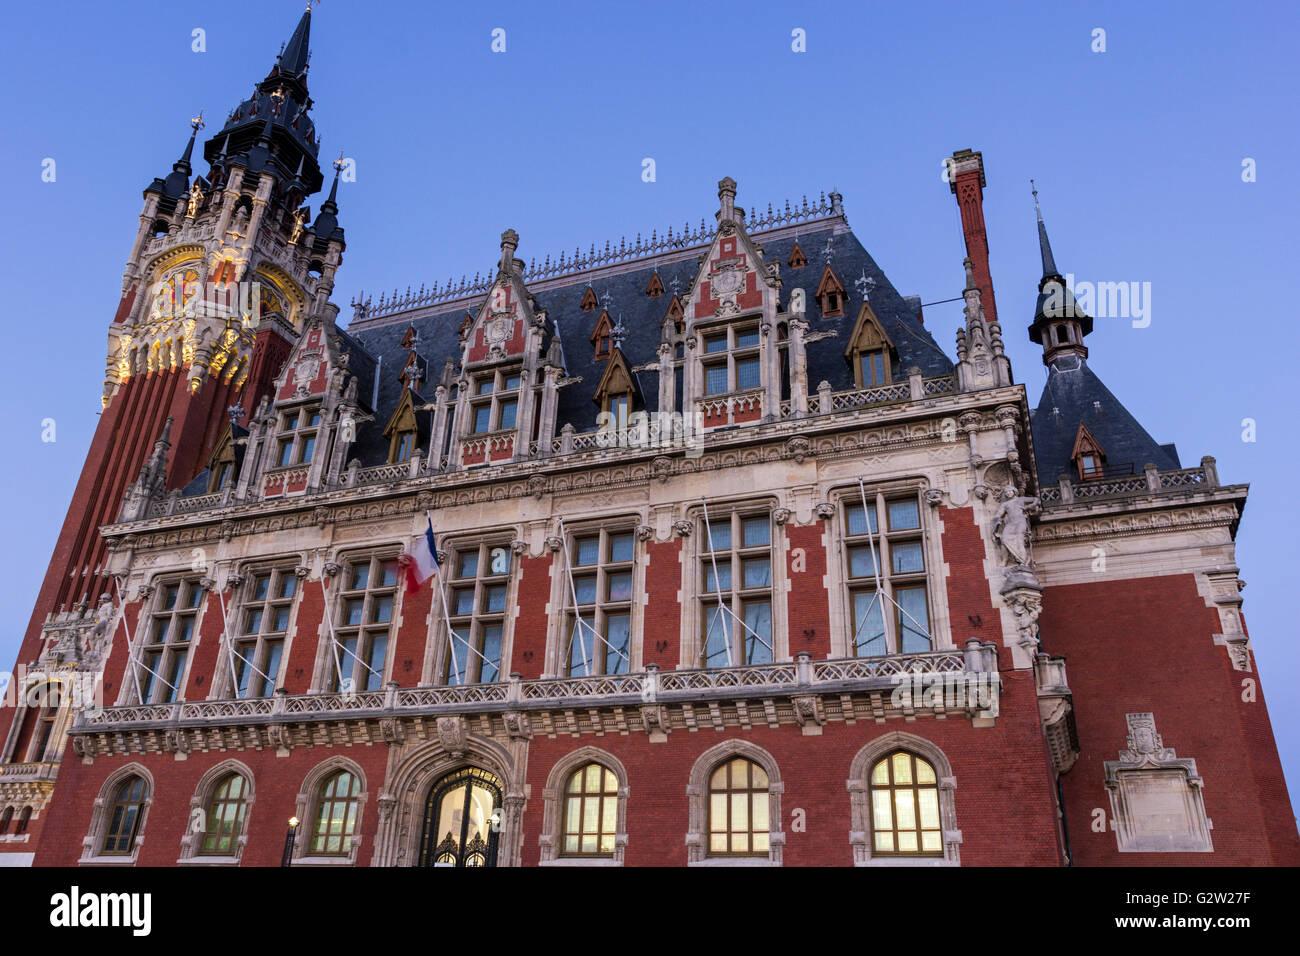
column 289, row 838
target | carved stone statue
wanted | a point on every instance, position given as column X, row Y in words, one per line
column 98, row 637
column 1011, row 527
column 299, row 218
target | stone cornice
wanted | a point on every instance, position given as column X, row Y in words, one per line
column 1130, row 516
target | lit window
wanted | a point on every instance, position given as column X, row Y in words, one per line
column 590, row 812
column 905, row 808
column 738, row 809
column 887, row 576
column 336, row 816
column 602, row 569
column 225, row 816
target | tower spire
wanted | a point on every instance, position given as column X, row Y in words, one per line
column 1059, row 324
column 293, row 58
column 182, row 165
column 1044, row 246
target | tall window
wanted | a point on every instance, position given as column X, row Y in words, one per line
column 297, row 436
column 403, row 445
column 124, row 817
column 731, row 359
column 24, row 818
column 495, row 405
column 221, row 476
column 590, row 812
column 886, row 575
column 225, row 816
column 618, row 406
column 905, row 807
column 478, row 604
column 736, row 589
column 602, row 567
column 5, row 819
column 336, row 816
column 167, row 641
column 738, row 809
column 264, row 625
column 364, row 623
column 44, row 701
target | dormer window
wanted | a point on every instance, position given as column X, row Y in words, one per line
column 297, row 436
column 731, row 359
column 797, row 258
column 618, row 407
column 402, row 430
column 871, row 368
column 403, row 445
column 656, row 288
column 869, row 350
column 221, row 477
column 495, row 405
column 830, row 294
column 600, row 338
column 1087, row 456
column 589, row 302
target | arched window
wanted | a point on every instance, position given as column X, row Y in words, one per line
column 124, row 817
column 4, row 820
column 225, row 816
column 590, row 812
column 336, row 815
column 905, row 817
column 738, row 809
column 23, row 820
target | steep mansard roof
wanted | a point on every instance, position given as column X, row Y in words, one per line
column 642, row 315
column 1074, row 394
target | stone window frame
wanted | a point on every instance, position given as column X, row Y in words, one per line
column 307, row 801
column 494, row 399
column 604, row 529
column 152, row 607
column 697, row 796
column 297, row 434
column 26, row 709
column 838, row 581
column 222, row 685
column 192, row 842
column 92, row 843
column 732, row 355
column 859, row 787
column 692, row 582
column 441, row 672
column 553, row 800
column 1149, row 755
column 324, row 668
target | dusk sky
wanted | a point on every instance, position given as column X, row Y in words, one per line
column 1137, row 151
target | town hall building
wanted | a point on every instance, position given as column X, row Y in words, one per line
column 733, row 561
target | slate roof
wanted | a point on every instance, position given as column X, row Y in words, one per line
column 1072, row 388
column 642, row 316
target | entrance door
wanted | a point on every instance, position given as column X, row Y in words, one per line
column 460, row 820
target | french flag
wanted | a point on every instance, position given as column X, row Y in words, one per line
column 421, row 560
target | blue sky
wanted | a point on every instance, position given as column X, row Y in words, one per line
column 1137, row 152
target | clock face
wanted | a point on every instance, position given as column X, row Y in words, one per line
column 176, row 292
column 500, row 560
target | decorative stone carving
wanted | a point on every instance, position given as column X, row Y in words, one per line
column 99, row 637
column 1026, row 604
column 655, row 719
column 143, row 592
column 799, row 449
column 683, row 528
column 537, row 486
column 331, row 569
column 386, row 803
column 1156, row 801
column 279, row 737
column 662, row 467
column 518, row 546
column 554, row 543
column 808, row 712
column 227, row 530
column 302, row 570
column 452, row 734
column 825, row 510
column 322, row 516
column 645, row 532
column 933, row 497
column 233, row 580
column 782, row 515
column 517, row 725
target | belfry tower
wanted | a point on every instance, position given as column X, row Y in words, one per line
column 225, row 269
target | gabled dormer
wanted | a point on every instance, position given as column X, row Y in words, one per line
column 870, row 352
column 730, row 312
column 797, row 258
column 617, row 393
column 830, row 294
column 589, row 301
column 1088, row 458
column 656, row 287
column 676, row 314
column 600, row 337
column 227, row 455
column 403, row 429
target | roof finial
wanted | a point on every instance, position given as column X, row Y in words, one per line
column 1044, row 246
column 1034, row 190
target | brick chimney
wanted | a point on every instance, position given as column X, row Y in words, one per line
column 966, row 179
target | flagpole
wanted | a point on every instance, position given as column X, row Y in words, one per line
column 446, row 611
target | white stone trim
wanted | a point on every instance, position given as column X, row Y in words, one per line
column 697, row 795
column 93, row 841
column 307, row 801
column 859, row 787
column 553, row 797
column 192, row 842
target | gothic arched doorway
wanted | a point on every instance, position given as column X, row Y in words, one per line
column 461, row 820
